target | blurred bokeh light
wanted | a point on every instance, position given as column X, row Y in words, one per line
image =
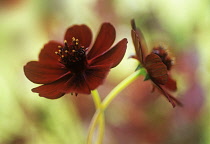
column 136, row 115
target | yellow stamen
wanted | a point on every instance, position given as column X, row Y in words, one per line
column 73, row 38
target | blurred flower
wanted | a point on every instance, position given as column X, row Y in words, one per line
column 9, row 3
column 157, row 64
column 106, row 10
column 194, row 96
column 73, row 67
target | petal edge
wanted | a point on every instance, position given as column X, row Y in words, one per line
column 40, row 73
column 104, row 40
column 80, row 32
column 113, row 56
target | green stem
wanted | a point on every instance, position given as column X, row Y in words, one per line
column 97, row 102
column 108, row 100
column 119, row 88
column 92, row 127
column 96, row 98
column 101, row 127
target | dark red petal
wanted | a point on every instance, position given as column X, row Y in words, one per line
column 112, row 56
column 47, row 54
column 87, row 81
column 139, row 42
column 171, row 84
column 104, row 40
column 133, row 56
column 165, row 94
column 170, row 98
column 175, row 100
column 80, row 32
column 52, row 90
column 77, row 84
column 43, row 73
column 95, row 76
column 156, row 68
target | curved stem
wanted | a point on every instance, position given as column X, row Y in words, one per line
column 119, row 88
column 101, row 127
column 92, row 127
column 109, row 99
column 97, row 102
column 96, row 98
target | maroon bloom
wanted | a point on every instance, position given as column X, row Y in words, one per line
column 157, row 63
column 163, row 54
column 74, row 67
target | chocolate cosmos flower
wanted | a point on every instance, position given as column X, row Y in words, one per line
column 157, row 64
column 74, row 67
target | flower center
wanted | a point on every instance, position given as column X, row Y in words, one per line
column 73, row 56
column 163, row 54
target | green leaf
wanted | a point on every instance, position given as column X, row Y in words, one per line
column 138, row 67
column 147, row 77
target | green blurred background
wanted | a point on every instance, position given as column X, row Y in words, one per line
column 136, row 116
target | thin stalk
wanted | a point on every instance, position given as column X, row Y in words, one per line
column 97, row 102
column 108, row 100
column 122, row 85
